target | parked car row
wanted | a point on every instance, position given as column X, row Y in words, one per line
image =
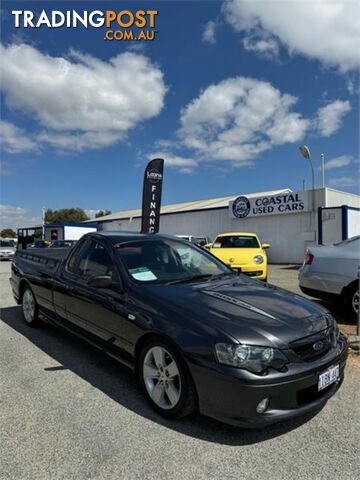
column 329, row 272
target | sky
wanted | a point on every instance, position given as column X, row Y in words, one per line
column 225, row 93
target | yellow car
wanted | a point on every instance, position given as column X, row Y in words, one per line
column 242, row 252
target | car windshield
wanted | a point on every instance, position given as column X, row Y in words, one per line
column 169, row 261
column 7, row 243
column 236, row 241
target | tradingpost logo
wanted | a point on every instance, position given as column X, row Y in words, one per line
column 122, row 25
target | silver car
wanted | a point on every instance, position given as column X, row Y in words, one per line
column 331, row 272
column 7, row 249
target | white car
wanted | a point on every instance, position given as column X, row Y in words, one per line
column 331, row 273
column 7, row 249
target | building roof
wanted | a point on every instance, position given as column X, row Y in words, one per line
column 90, row 223
column 117, row 237
column 219, row 202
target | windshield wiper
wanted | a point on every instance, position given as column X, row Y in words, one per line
column 190, row 279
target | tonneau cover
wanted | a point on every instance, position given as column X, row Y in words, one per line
column 49, row 257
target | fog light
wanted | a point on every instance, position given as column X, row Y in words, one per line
column 262, row 406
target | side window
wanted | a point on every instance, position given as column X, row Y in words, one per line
column 72, row 263
column 96, row 260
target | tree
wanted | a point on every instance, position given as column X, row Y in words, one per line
column 7, row 233
column 65, row 215
column 102, row 213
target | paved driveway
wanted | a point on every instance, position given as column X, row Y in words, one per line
column 67, row 412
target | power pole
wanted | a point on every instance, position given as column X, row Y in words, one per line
column 322, row 156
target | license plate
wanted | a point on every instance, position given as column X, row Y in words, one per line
column 328, row 377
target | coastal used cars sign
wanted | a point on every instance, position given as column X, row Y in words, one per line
column 287, row 202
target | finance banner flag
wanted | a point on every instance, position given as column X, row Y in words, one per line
column 151, row 202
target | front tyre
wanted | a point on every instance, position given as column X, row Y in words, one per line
column 166, row 381
column 29, row 308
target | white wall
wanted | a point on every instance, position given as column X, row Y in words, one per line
column 353, row 223
column 335, row 198
column 331, row 226
column 75, row 233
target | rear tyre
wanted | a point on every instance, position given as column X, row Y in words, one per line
column 166, row 381
column 352, row 299
column 29, row 308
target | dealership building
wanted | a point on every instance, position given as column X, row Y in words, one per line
column 289, row 221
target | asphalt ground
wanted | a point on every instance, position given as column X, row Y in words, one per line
column 68, row 412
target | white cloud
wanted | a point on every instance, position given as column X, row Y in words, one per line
column 262, row 44
column 81, row 102
column 330, row 117
column 338, row 162
column 79, row 141
column 14, row 139
column 353, row 86
column 91, row 213
column 326, row 30
column 209, row 33
column 185, row 165
column 15, row 217
column 238, row 119
column 343, row 182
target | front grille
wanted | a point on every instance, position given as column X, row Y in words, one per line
column 315, row 346
column 256, row 273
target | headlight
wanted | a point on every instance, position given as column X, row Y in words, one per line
column 254, row 359
column 258, row 259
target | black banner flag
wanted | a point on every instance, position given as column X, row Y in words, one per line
column 153, row 177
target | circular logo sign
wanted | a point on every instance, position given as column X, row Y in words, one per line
column 153, row 175
column 241, row 207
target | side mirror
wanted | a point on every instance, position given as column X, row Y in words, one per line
column 100, row 281
column 265, row 245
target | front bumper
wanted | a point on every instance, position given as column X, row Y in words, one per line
column 224, row 393
column 6, row 256
column 252, row 270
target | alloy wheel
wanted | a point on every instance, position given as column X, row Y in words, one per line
column 355, row 301
column 162, row 377
column 28, row 306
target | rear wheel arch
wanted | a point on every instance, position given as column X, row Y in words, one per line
column 350, row 296
column 23, row 284
column 349, row 288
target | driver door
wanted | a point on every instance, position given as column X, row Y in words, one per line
column 101, row 312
